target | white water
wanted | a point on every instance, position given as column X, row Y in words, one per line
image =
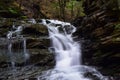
column 11, row 54
column 26, row 55
column 67, row 51
column 68, row 54
column 15, row 33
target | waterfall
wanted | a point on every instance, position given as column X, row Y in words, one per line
column 67, row 51
column 16, row 35
column 10, row 37
column 67, row 54
column 11, row 54
column 26, row 55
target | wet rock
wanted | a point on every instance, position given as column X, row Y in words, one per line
column 37, row 41
column 48, row 22
column 36, row 30
column 21, row 73
column 29, row 28
column 18, row 50
column 100, row 38
column 40, row 60
column 41, row 57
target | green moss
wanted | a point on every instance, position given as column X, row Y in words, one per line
column 117, row 26
column 23, row 17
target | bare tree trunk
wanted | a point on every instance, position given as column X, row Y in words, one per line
column 72, row 10
column 78, row 12
column 62, row 4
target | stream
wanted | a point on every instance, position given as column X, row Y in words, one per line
column 67, row 52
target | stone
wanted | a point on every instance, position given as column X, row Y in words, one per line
column 39, row 57
column 100, row 38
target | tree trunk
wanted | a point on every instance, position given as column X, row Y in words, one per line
column 62, row 4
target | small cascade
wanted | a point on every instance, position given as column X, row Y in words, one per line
column 26, row 55
column 67, row 54
column 16, row 33
column 12, row 36
column 11, row 54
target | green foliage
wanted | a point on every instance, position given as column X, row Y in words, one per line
column 12, row 10
column 76, row 6
column 117, row 26
column 52, row 9
column 8, row 9
column 24, row 17
column 55, row 4
column 71, row 4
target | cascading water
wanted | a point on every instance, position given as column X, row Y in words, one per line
column 67, row 51
column 10, row 37
column 26, row 55
column 11, row 54
column 15, row 35
column 68, row 54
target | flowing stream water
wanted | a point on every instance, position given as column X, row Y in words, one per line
column 67, row 54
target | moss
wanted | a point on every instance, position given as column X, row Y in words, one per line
column 23, row 17
column 117, row 26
